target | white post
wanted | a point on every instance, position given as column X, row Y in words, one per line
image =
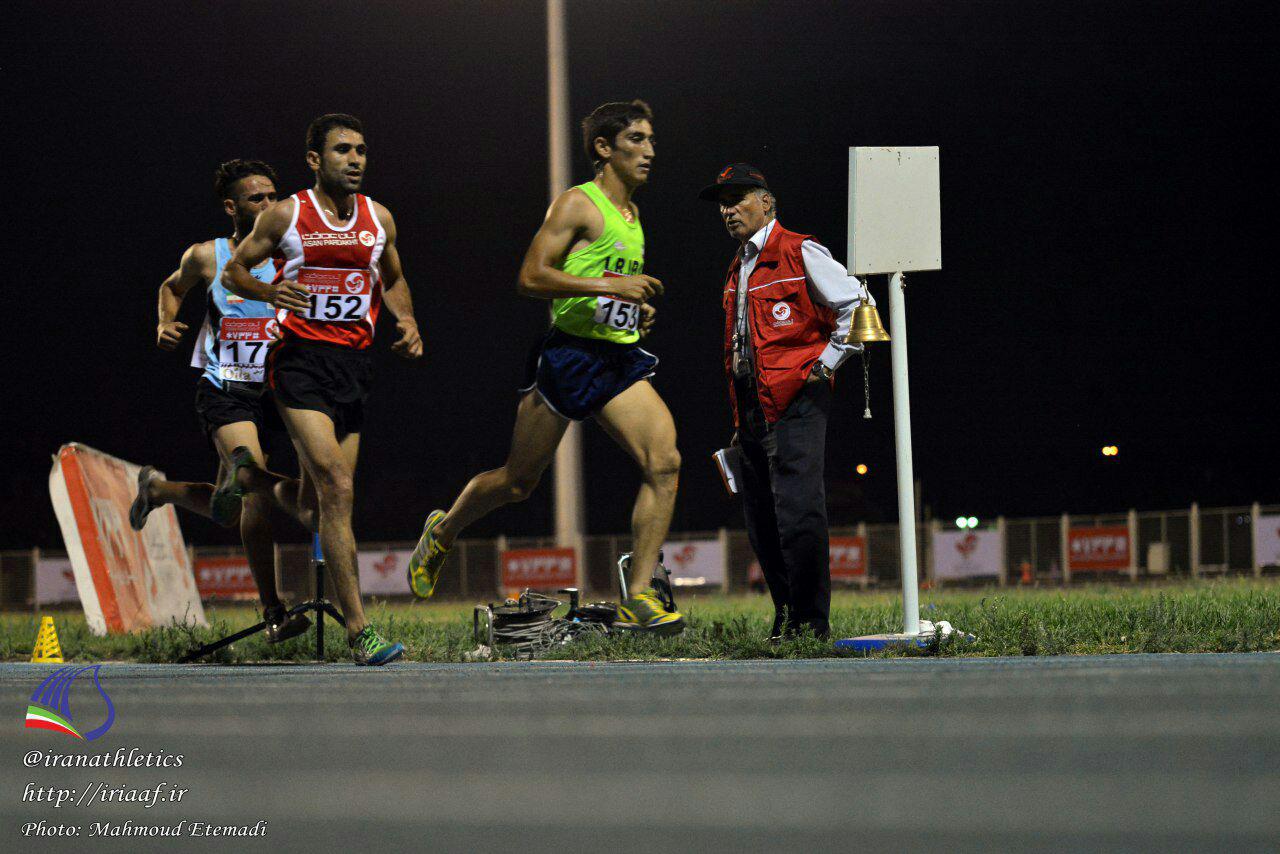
column 1133, row 545
column 1193, row 526
column 931, row 562
column 570, row 509
column 866, row 555
column 499, row 546
column 1004, row 552
column 1256, row 513
column 1065, row 528
column 723, row 536
column 902, row 447
column 35, row 574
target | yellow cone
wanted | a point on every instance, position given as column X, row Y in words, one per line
column 48, row 650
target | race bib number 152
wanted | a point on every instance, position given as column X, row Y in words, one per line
column 337, row 296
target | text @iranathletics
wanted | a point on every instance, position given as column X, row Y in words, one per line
column 93, row 796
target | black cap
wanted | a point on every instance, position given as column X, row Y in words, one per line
column 734, row 175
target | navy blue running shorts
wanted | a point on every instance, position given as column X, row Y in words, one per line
column 578, row 376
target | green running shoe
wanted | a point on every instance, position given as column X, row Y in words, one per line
column 427, row 559
column 644, row 612
column 224, row 505
column 372, row 649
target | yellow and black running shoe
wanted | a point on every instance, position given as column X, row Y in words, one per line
column 644, row 612
column 428, row 558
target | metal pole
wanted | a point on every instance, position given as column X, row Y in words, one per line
column 902, row 446
column 570, row 509
column 317, row 560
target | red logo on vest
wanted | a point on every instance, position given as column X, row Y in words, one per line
column 367, row 238
column 354, row 283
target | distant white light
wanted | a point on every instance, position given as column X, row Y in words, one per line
column 973, row 521
column 962, row 522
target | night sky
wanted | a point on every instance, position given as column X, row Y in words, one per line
column 1106, row 195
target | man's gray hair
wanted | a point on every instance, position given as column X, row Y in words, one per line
column 765, row 191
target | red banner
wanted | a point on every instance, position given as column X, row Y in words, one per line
column 539, row 569
column 225, row 578
column 848, row 557
column 1098, row 548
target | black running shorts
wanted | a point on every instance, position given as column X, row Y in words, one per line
column 324, row 377
column 235, row 402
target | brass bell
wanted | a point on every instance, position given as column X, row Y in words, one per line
column 866, row 326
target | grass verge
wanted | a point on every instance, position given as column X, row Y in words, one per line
column 1219, row 616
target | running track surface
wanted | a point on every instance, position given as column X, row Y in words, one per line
column 1137, row 752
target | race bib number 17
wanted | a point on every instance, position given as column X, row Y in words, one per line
column 337, row 296
column 242, row 347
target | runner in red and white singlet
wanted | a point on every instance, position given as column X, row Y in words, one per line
column 338, row 265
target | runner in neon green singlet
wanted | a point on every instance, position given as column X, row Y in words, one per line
column 619, row 251
column 588, row 252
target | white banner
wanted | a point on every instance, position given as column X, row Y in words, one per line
column 384, row 573
column 55, row 581
column 966, row 554
column 1266, row 540
column 695, row 563
column 126, row 580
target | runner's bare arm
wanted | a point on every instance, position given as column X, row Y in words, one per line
column 568, row 220
column 256, row 248
column 395, row 291
column 195, row 268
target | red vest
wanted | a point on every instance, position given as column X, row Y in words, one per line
column 338, row 264
column 789, row 331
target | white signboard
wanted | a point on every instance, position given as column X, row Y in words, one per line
column 966, row 554
column 1266, row 540
column 384, row 573
column 895, row 216
column 126, row 580
column 55, row 581
column 695, row 563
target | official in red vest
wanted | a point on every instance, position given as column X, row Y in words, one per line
column 787, row 306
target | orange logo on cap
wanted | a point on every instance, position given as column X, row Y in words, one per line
column 724, row 176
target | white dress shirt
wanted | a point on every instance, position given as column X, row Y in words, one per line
column 829, row 284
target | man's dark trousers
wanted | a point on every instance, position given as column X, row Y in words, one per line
column 785, row 502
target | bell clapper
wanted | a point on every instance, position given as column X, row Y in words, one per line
column 866, row 381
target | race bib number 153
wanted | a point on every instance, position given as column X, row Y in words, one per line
column 617, row 313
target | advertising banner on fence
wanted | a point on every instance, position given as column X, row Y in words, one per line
column 126, row 579
column 226, row 577
column 1090, row 549
column 695, row 563
column 55, row 581
column 385, row 573
column 848, row 558
column 967, row 554
column 539, row 569
column 1266, row 540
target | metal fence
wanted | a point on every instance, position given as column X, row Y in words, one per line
column 1185, row 543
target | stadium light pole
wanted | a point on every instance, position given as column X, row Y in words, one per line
column 570, row 508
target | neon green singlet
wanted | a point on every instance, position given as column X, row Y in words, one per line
column 619, row 251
